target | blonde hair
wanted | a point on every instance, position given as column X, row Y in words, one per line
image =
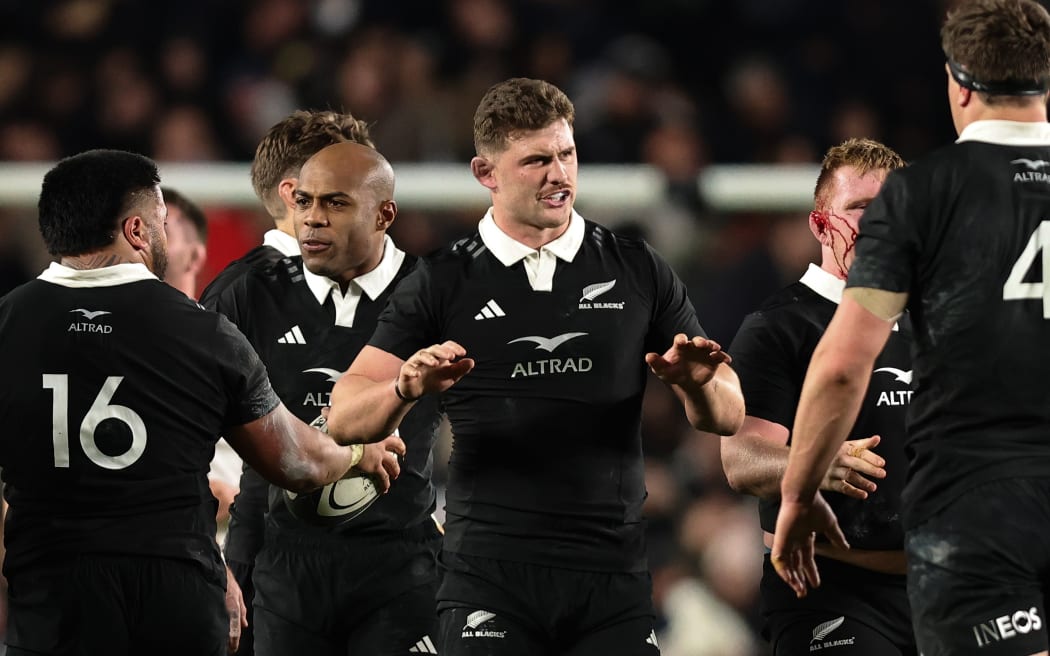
column 863, row 154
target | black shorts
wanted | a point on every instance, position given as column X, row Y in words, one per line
column 333, row 596
column 117, row 604
column 856, row 611
column 517, row 609
column 979, row 571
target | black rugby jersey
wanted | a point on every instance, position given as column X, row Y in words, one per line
column 771, row 353
column 966, row 232
column 244, row 534
column 116, row 388
column 305, row 352
column 546, row 465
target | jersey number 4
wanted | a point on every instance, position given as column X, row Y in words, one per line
column 1016, row 289
column 100, row 410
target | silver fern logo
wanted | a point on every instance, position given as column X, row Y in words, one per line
column 822, row 630
column 591, row 292
column 477, row 618
column 472, row 629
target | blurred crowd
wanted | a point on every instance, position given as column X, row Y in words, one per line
column 678, row 84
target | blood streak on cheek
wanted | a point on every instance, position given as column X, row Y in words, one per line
column 838, row 229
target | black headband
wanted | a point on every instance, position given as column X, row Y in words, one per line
column 1001, row 88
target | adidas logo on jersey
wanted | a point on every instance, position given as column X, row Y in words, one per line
column 293, row 336
column 424, row 646
column 490, row 311
column 651, row 640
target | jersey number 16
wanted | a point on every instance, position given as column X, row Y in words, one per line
column 100, row 410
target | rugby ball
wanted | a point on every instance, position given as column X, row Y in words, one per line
column 336, row 503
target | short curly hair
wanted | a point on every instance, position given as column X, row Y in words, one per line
column 517, row 105
column 288, row 144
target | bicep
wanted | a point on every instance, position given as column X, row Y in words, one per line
column 885, row 305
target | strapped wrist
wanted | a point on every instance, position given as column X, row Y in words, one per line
column 358, row 452
column 404, row 399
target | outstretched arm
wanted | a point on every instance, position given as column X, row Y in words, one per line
column 755, row 458
column 291, row 454
column 698, row 372
column 378, row 389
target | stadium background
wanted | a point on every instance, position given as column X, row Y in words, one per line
column 672, row 97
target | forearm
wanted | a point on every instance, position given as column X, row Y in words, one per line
column 288, row 453
column 716, row 406
column 324, row 461
column 828, row 407
column 364, row 410
column 753, row 465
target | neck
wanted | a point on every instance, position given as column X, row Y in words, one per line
column 185, row 283
column 96, row 260
column 366, row 267
column 1031, row 112
column 831, row 265
column 286, row 225
column 534, row 237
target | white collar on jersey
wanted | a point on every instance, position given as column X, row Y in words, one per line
column 282, row 241
column 823, row 283
column 1007, row 133
column 826, row 285
column 539, row 264
column 117, row 274
column 371, row 284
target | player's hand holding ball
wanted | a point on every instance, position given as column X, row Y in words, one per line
column 380, row 461
column 345, row 499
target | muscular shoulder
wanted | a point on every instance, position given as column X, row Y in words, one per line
column 262, row 266
column 792, row 316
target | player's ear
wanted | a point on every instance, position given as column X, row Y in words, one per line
column 133, row 229
column 387, row 213
column 482, row 169
column 285, row 189
column 818, row 225
column 962, row 95
column 198, row 255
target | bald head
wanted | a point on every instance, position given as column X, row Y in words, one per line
column 343, row 204
column 352, row 164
